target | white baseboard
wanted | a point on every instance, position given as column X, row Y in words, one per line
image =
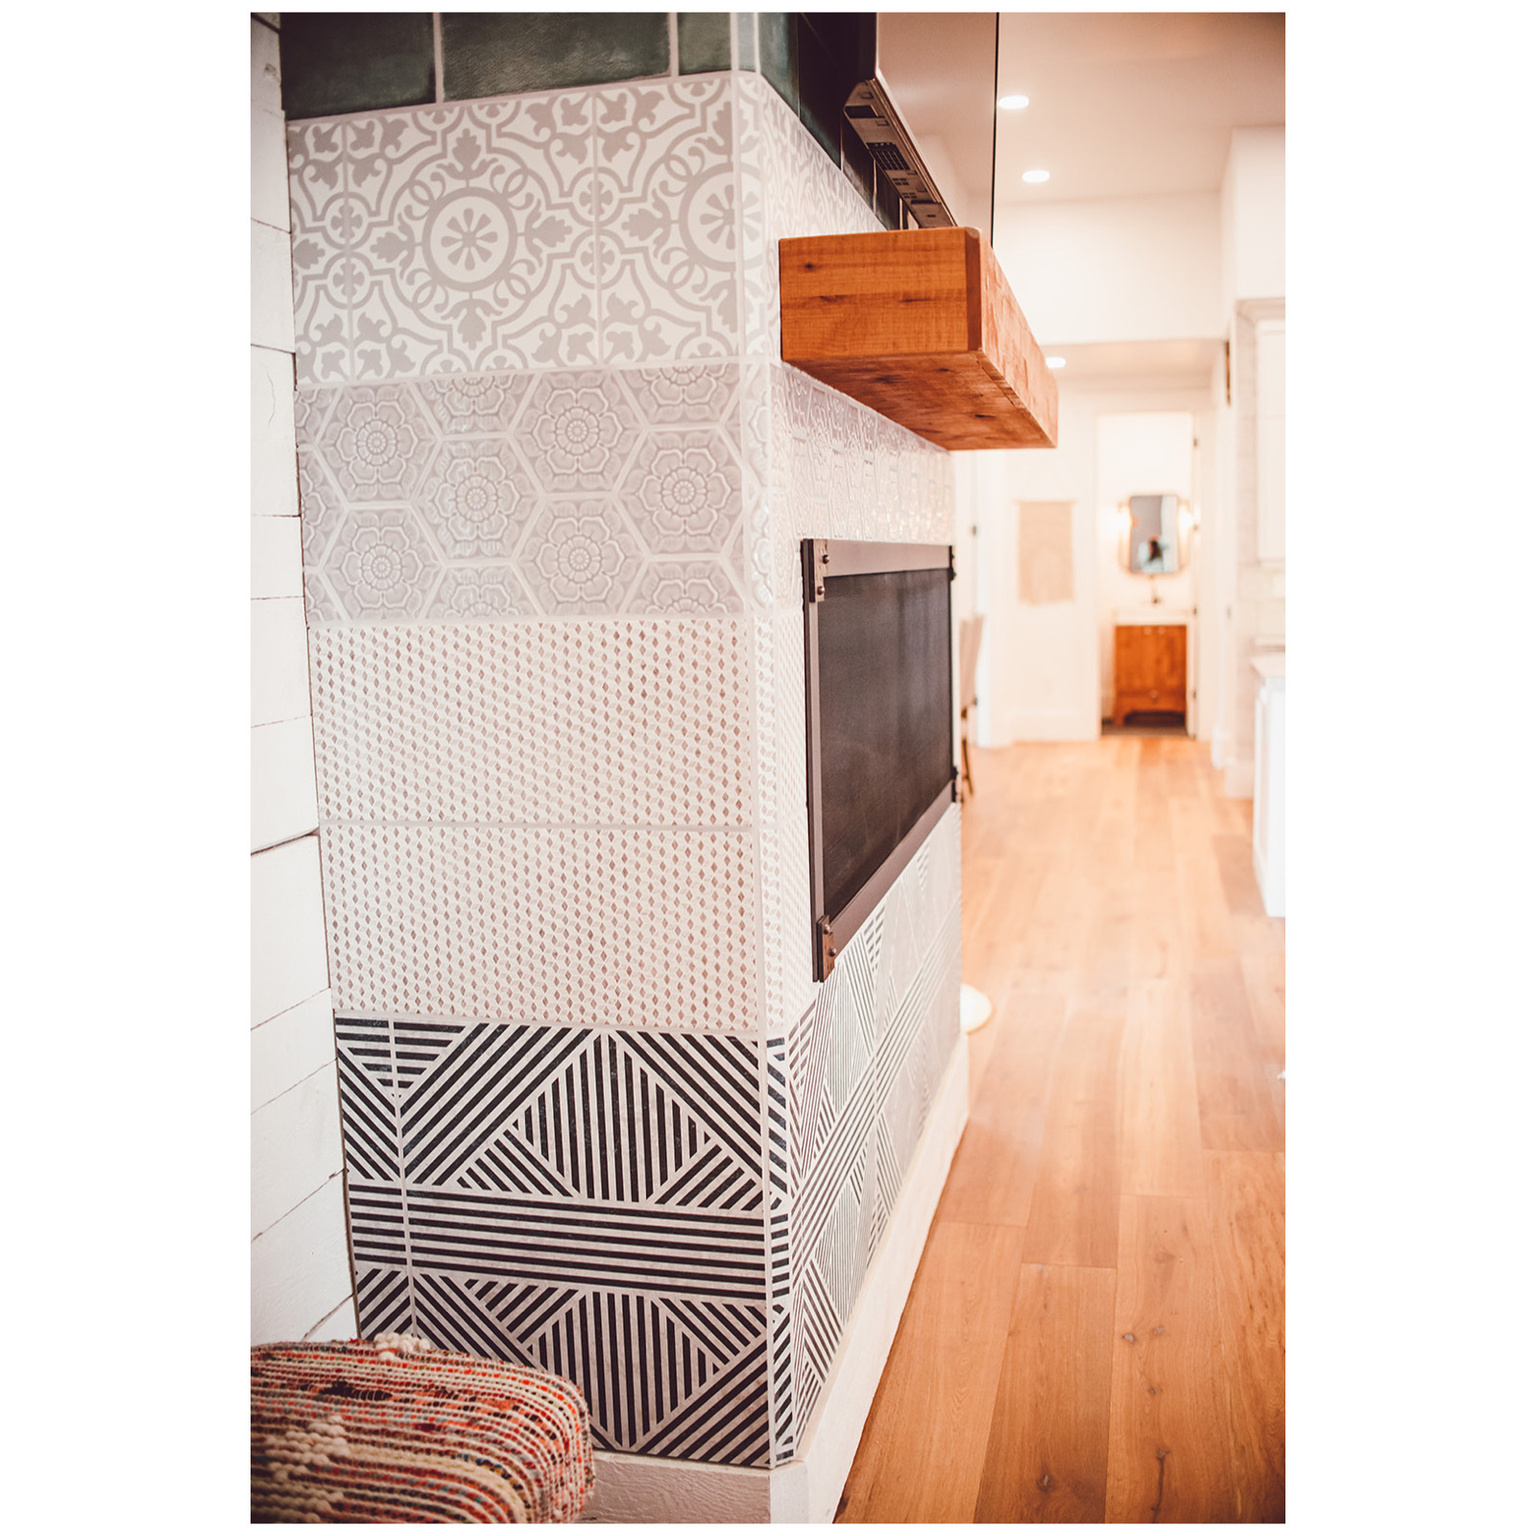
column 1043, row 725
column 649, row 1490
column 645, row 1490
column 1237, row 781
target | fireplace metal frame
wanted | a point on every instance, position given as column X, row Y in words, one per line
column 821, row 561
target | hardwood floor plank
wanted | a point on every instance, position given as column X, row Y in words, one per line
column 1158, row 946
column 1207, row 925
column 1261, row 950
column 1151, row 777
column 1074, row 1216
column 1048, row 1451
column 1246, row 1198
column 1239, row 884
column 943, row 1373
column 1160, row 1149
column 1179, row 771
column 992, row 1178
column 1056, row 935
column 992, row 952
column 1237, row 1111
column 1169, row 1438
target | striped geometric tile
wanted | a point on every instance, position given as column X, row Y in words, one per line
column 586, row 1201
column 864, row 1066
column 383, row 1299
column 781, row 1364
column 663, row 1375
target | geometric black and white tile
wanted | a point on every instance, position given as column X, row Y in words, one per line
column 864, row 1067
column 585, row 1201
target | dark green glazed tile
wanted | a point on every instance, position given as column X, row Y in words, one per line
column 499, row 53
column 354, row 61
column 821, row 95
column 703, row 41
column 746, row 39
column 776, row 53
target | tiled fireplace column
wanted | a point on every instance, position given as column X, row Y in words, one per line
column 597, row 1115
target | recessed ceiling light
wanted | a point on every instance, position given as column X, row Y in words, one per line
column 1012, row 103
column 1033, row 176
column 1055, row 362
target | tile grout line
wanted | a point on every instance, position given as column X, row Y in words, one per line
column 287, row 842
column 318, row 992
column 437, row 55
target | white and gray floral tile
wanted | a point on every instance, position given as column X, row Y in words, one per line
column 321, row 509
column 759, row 274
column 377, row 443
column 684, row 396
column 477, row 499
column 477, row 403
column 448, row 238
column 687, row 586
column 667, row 241
column 580, row 557
column 566, row 229
column 508, row 494
column 790, row 189
column 381, row 565
column 579, row 431
column 684, row 492
column 481, row 592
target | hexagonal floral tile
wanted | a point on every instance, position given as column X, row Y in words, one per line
column 577, row 432
column 381, row 565
column 685, row 491
column 377, row 443
column 476, row 499
column 580, row 558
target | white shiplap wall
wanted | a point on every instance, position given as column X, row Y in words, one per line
column 301, row 1277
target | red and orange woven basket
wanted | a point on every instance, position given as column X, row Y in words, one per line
column 390, row 1431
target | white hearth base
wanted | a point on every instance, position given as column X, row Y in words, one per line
column 646, row 1490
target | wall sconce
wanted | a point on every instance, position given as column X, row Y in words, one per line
column 1124, row 522
column 1188, row 522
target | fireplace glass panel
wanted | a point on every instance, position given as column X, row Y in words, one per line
column 885, row 717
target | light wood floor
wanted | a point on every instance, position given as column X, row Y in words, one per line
column 1096, row 1331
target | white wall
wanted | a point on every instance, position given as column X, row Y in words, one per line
column 1253, row 216
column 1139, row 451
column 1116, row 269
column 1036, row 675
column 301, row 1275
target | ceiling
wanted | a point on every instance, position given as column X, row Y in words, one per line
column 1126, row 104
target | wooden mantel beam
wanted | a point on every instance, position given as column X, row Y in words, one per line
column 920, row 325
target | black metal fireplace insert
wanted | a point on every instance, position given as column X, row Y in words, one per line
column 879, row 722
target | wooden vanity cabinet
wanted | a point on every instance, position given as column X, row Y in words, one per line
column 1149, row 668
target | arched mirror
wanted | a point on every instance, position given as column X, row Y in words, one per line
column 1154, row 534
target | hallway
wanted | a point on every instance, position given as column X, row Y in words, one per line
column 1096, row 1331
